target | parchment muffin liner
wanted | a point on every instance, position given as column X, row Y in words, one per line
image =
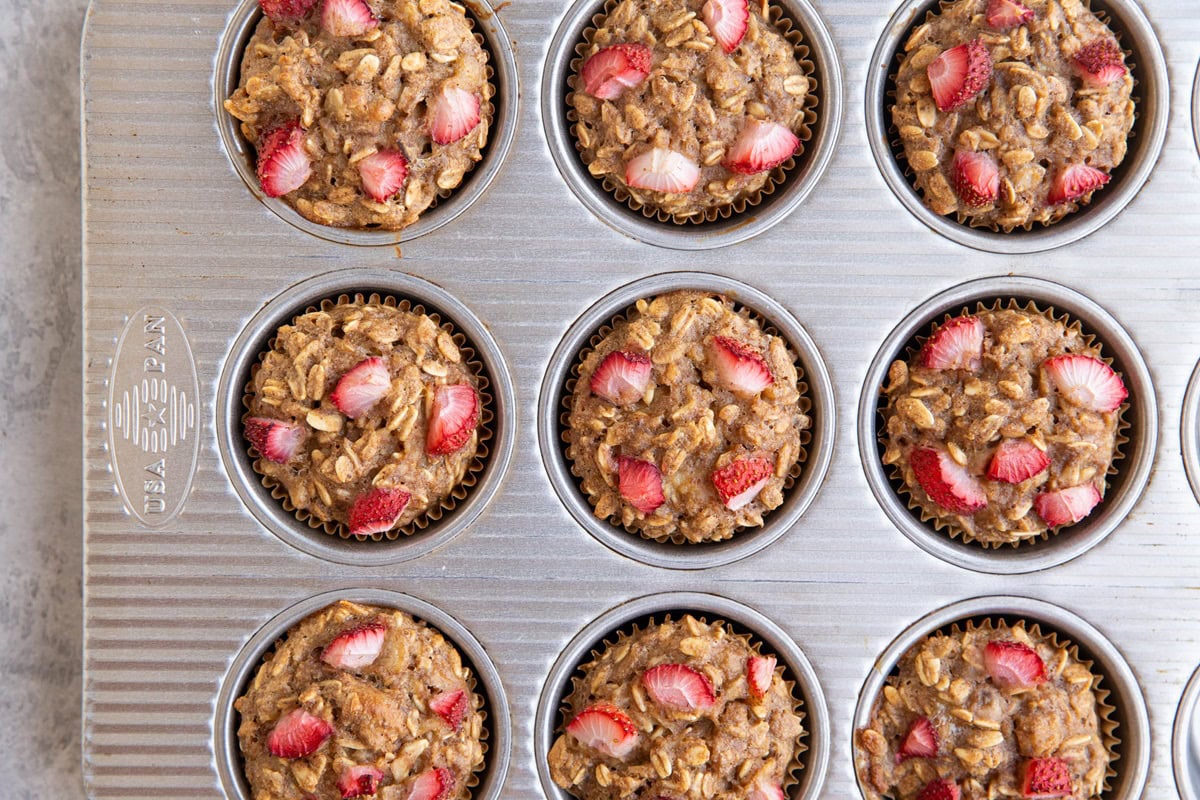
column 486, row 431
column 896, row 471
column 795, row 37
column 624, row 317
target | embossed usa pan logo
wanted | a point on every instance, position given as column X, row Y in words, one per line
column 152, row 401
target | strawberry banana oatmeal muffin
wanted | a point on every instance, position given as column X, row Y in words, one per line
column 688, row 105
column 993, row 712
column 1012, row 112
column 682, row 710
column 361, row 701
column 365, row 415
column 363, row 113
column 1004, row 425
column 686, row 419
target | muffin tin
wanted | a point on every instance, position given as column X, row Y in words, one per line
column 186, row 571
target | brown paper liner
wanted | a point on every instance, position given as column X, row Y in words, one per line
column 626, row 315
column 459, row 493
column 896, row 474
column 738, row 205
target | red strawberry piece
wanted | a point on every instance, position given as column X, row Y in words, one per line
column 283, row 163
column 355, row 648
column 939, row 789
column 956, row 345
column 286, row 10
column 740, row 481
column 760, row 671
column 1099, row 63
column 921, row 741
column 383, row 174
column 947, row 482
column 455, row 114
column 727, row 20
column 377, row 511
column 1016, row 460
column 976, row 178
column 662, row 170
column 359, row 781
column 1046, row 778
column 1013, row 665
column 765, row 791
column 1066, row 506
column 275, row 440
column 432, row 784
column 452, row 419
column 347, row 17
column 760, row 146
column 612, row 70
column 622, row 377
column 1003, row 15
column 1086, row 382
column 1074, row 181
column 640, row 483
column 679, row 687
column 363, row 386
column 298, row 734
column 960, row 73
column 740, row 367
column 450, row 706
column 606, row 729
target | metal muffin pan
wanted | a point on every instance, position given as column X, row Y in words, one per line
column 171, row 233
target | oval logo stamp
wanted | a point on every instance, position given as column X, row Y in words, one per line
column 153, row 397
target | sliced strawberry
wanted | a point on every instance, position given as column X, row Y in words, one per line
column 432, row 784
column 450, row 706
column 622, row 377
column 760, row 146
column 347, row 17
column 1086, row 382
column 275, row 440
column 606, row 729
column 363, row 386
column 1046, row 778
column 1099, row 63
column 662, row 170
column 1066, row 506
column 740, row 367
column 921, row 741
column 640, row 483
column 355, row 648
column 359, row 781
column 939, row 789
column 679, row 687
column 960, row 73
column 947, row 482
column 452, row 419
column 612, row 70
column 765, row 791
column 976, row 178
column 1013, row 665
column 377, row 511
column 760, row 671
column 455, row 114
column 298, row 734
column 956, row 345
column 1074, row 181
column 283, row 162
column 727, row 20
column 740, row 481
column 286, row 10
column 1003, row 15
column 383, row 174
column 1017, row 460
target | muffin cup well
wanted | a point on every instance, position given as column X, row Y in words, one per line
column 1121, row 706
column 1149, row 70
column 1196, row 108
column 463, row 506
column 1185, row 741
column 497, row 742
column 556, row 388
column 789, row 186
column 500, row 109
column 1189, row 432
column 812, row 762
column 1125, row 485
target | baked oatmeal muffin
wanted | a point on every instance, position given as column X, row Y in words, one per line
column 363, row 112
column 684, row 107
column 995, row 711
column 686, row 419
column 365, row 417
column 681, row 709
column 360, row 700
column 1004, row 425
column 1012, row 112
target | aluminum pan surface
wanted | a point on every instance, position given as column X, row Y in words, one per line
column 168, row 222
